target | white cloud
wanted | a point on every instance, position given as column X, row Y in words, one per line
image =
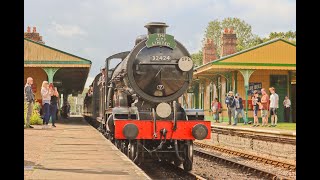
column 66, row 30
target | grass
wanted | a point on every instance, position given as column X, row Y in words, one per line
column 280, row 125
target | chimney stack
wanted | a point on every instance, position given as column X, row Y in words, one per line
column 34, row 36
column 228, row 42
column 209, row 51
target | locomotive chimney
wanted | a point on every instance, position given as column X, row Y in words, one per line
column 156, row 27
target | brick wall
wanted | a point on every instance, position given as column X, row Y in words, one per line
column 34, row 36
column 228, row 42
column 209, row 51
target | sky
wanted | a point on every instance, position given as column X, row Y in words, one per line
column 97, row 29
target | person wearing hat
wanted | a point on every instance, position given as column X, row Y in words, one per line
column 103, row 75
column 239, row 109
column 231, row 105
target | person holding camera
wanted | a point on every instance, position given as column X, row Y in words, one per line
column 256, row 100
column 239, row 109
column 46, row 93
column 231, row 105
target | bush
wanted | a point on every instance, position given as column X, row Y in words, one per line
column 35, row 118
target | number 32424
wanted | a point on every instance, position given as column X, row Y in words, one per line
column 160, row 58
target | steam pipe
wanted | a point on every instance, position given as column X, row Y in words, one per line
column 177, row 150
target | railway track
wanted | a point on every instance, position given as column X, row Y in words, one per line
column 248, row 156
column 234, row 164
column 166, row 170
column 264, row 136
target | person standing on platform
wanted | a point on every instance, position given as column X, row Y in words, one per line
column 46, row 94
column 274, row 105
column 286, row 104
column 239, row 109
column 255, row 103
column 29, row 97
column 54, row 105
column 231, row 105
column 215, row 112
column 264, row 107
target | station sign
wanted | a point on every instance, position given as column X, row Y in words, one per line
column 161, row 39
column 254, row 86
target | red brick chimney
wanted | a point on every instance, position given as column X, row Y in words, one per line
column 228, row 42
column 209, row 51
column 34, row 36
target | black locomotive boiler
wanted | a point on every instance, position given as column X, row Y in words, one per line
column 136, row 103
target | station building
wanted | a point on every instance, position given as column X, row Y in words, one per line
column 272, row 63
column 66, row 71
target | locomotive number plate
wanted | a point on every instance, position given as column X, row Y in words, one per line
column 160, row 58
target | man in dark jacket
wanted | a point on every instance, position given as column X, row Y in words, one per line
column 231, row 105
column 239, row 110
column 29, row 97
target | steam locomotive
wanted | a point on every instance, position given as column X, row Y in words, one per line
column 136, row 103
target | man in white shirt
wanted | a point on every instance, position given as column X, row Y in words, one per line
column 274, row 105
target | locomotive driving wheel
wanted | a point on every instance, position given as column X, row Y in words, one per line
column 188, row 156
column 132, row 150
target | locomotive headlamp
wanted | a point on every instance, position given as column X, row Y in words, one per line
column 130, row 131
column 163, row 110
column 185, row 63
column 199, row 131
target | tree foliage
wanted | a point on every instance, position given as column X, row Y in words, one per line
column 245, row 37
column 289, row 36
column 197, row 58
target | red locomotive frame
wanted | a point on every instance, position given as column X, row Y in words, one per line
column 145, row 127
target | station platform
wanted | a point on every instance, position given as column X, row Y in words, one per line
column 259, row 129
column 74, row 150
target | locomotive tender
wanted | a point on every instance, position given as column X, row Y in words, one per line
column 136, row 102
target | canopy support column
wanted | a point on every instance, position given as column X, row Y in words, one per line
column 246, row 75
column 50, row 72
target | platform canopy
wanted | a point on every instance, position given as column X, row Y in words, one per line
column 67, row 71
column 276, row 54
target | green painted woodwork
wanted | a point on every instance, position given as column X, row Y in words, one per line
column 56, row 62
column 235, row 81
column 280, row 83
column 196, row 95
column 246, row 75
column 50, row 72
column 252, row 64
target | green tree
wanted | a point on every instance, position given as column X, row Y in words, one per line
column 197, row 58
column 289, row 36
column 245, row 38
